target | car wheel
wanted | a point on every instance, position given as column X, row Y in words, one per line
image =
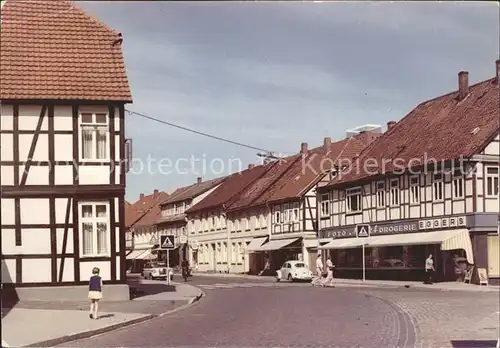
column 290, row 278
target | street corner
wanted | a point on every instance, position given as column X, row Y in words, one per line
column 72, row 325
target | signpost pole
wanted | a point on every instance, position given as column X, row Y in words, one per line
column 168, row 266
column 364, row 270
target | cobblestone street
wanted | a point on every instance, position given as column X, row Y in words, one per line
column 241, row 315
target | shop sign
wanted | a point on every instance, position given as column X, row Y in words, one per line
column 405, row 226
column 451, row 222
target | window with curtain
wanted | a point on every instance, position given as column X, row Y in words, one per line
column 94, row 227
column 94, row 134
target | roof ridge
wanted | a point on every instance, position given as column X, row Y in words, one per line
column 249, row 205
column 250, row 183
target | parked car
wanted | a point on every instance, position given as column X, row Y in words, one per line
column 294, row 270
column 157, row 270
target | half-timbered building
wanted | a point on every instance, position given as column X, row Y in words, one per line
column 290, row 200
column 63, row 92
column 429, row 185
column 173, row 220
column 235, row 225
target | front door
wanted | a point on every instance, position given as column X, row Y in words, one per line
column 493, row 256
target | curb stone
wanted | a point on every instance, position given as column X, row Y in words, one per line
column 91, row 333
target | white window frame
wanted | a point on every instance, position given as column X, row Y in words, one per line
column 381, row 194
column 491, row 188
column 277, row 216
column 438, row 187
column 296, row 211
column 286, row 212
column 458, row 185
column 394, row 191
column 82, row 124
column 414, row 188
column 246, row 223
column 264, row 220
column 325, row 205
column 351, row 192
column 94, row 220
column 237, row 224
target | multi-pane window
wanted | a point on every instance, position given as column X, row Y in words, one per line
column 394, row 192
column 245, row 223
column 263, row 220
column 94, row 227
column 353, row 199
column 458, row 185
column 492, row 182
column 237, row 224
column 414, row 190
column 381, row 194
column 325, row 205
column 286, row 213
column 94, row 136
column 438, row 187
column 277, row 216
column 296, row 212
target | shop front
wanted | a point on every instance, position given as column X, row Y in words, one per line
column 277, row 251
column 398, row 250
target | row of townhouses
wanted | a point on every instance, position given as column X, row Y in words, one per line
column 427, row 185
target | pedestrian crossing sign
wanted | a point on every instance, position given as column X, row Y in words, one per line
column 167, row 242
column 153, row 240
column 363, row 231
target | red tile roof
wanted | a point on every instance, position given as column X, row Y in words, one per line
column 139, row 209
column 153, row 213
column 51, row 49
column 259, row 186
column 228, row 191
column 439, row 129
column 192, row 191
column 305, row 172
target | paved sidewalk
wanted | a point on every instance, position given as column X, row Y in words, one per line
column 445, row 286
column 45, row 324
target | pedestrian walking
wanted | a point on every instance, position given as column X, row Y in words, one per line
column 317, row 280
column 95, row 292
column 329, row 272
column 429, row 269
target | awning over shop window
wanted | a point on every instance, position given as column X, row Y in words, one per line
column 449, row 240
column 256, row 243
column 146, row 255
column 347, row 243
column 310, row 243
column 277, row 244
column 134, row 253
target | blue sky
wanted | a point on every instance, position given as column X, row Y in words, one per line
column 274, row 75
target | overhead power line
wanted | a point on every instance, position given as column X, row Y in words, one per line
column 271, row 153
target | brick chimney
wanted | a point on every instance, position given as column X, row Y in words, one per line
column 463, row 84
column 155, row 192
column 303, row 148
column 497, row 63
column 141, row 196
column 390, row 124
column 250, row 166
column 327, row 142
column 198, row 180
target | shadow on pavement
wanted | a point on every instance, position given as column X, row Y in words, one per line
column 474, row 344
column 139, row 289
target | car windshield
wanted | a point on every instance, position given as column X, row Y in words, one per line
column 156, row 265
column 300, row 265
